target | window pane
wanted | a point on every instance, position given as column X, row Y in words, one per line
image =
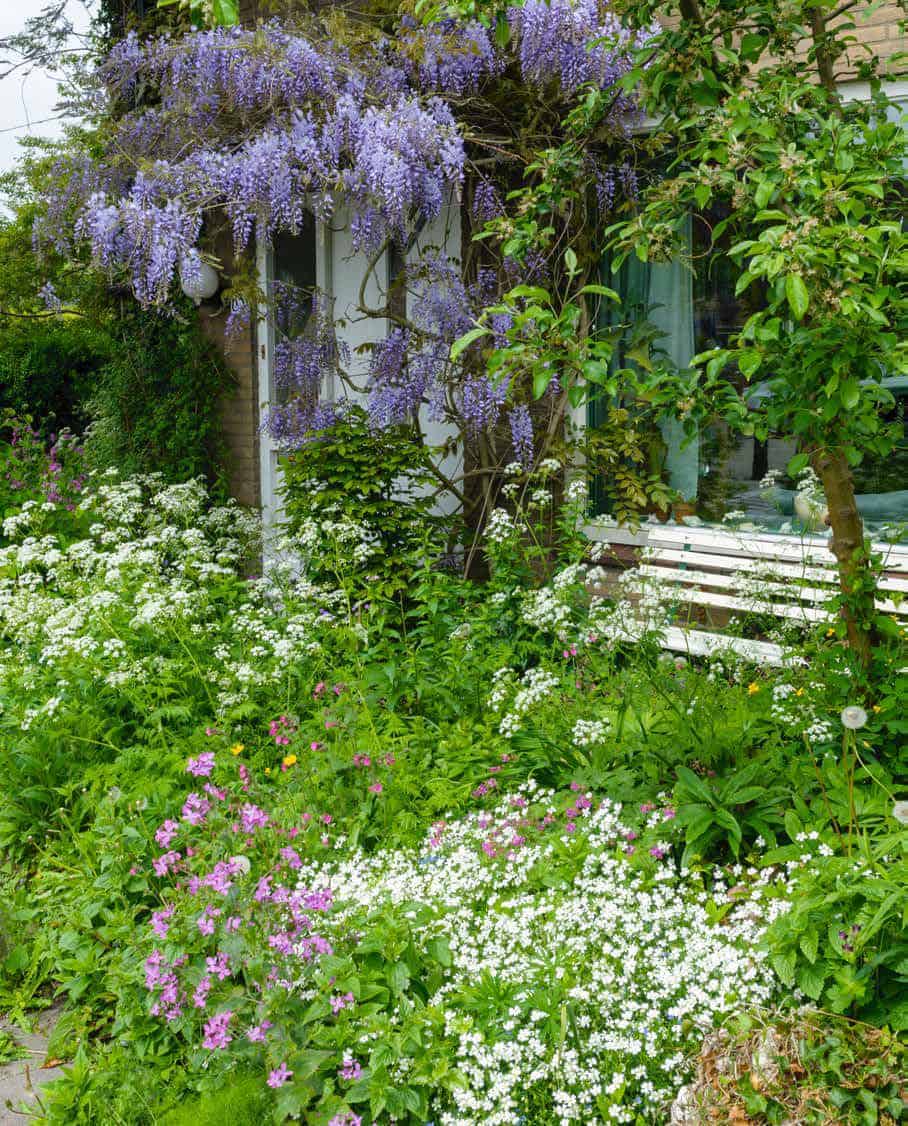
column 293, row 285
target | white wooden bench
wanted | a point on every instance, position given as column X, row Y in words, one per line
column 714, row 573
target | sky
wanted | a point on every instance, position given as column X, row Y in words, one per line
column 26, row 101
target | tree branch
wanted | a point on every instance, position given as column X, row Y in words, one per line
column 42, row 316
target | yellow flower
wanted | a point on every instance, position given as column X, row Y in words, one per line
column 830, row 632
column 267, row 769
column 289, row 760
column 753, row 688
column 237, row 749
column 800, row 692
column 876, row 708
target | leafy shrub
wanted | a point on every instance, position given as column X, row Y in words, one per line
column 844, row 942
column 48, row 367
column 354, row 492
column 37, row 470
column 154, row 404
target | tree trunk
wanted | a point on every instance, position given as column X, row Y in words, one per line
column 856, row 577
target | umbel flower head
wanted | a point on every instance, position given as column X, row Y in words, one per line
column 853, row 717
column 900, row 812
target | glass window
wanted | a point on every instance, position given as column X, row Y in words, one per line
column 719, row 475
column 293, row 282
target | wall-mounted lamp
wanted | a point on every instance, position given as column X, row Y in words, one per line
column 198, row 280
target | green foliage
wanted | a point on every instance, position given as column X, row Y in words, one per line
column 844, row 940
column 357, row 485
column 154, row 405
column 48, row 368
column 206, row 13
column 735, row 808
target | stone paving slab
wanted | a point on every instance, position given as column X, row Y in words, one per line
column 21, row 1079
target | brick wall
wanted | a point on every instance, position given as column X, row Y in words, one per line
column 239, row 408
column 877, row 29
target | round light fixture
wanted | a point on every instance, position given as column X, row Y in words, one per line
column 198, row 280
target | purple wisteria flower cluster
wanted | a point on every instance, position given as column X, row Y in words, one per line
column 573, row 43
column 271, row 125
column 282, row 126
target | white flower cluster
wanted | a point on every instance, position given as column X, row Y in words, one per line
column 534, row 686
column 592, row 991
column 343, row 535
column 590, row 732
column 500, row 526
column 158, row 563
column 797, row 712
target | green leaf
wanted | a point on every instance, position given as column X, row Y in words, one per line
column 225, row 13
column 752, row 46
column 810, row 944
column 600, row 291
column 797, row 463
column 749, row 362
column 399, row 977
column 689, row 785
column 792, row 825
column 439, row 949
column 570, row 261
column 850, row 393
column 463, row 342
column 796, row 293
column 810, row 979
column 502, row 29
column 697, row 822
column 763, row 194
column 784, row 965
column 542, row 377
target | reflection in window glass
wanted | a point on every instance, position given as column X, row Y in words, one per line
column 293, row 284
column 721, row 476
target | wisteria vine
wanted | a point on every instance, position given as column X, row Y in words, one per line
column 265, row 126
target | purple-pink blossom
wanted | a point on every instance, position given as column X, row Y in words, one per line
column 257, row 1033
column 280, row 1075
column 219, row 965
column 166, row 833
column 215, row 1030
column 252, row 818
column 195, row 809
column 340, row 1002
column 202, row 765
column 350, row 1070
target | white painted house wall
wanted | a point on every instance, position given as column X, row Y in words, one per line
column 339, row 271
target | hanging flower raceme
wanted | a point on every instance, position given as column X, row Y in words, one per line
column 280, row 126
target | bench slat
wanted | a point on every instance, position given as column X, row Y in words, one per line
column 786, row 590
column 791, row 549
column 748, row 606
column 700, row 643
column 756, row 567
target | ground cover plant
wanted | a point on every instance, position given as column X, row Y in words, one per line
column 465, row 856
